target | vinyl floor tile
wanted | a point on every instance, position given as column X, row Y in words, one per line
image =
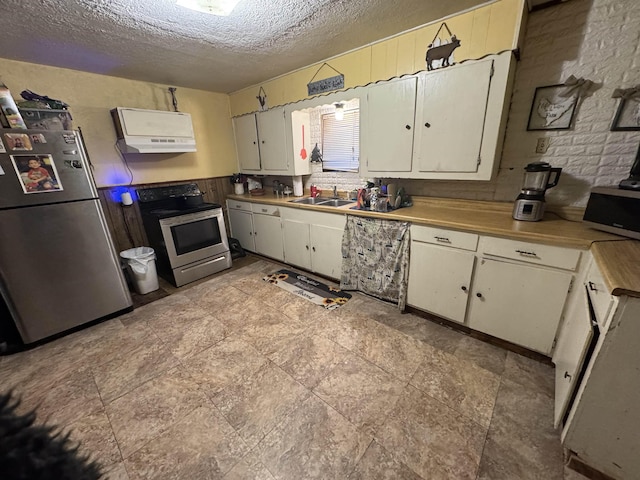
column 391, row 350
column 145, row 412
column 68, row 400
column 249, row 468
column 315, row 442
column 378, row 464
column 361, row 391
column 255, row 406
column 188, row 331
column 224, row 364
column 464, row 386
column 95, row 436
column 201, row 446
column 309, row 358
column 432, row 439
column 128, row 370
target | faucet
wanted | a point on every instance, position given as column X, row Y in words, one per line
column 335, row 191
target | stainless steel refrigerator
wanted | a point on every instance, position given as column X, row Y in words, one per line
column 58, row 265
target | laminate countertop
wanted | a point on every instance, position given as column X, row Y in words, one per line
column 617, row 257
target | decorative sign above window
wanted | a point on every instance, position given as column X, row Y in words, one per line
column 326, row 84
column 440, row 53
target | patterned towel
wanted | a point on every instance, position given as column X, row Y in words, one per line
column 375, row 258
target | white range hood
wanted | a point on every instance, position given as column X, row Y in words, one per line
column 153, row 131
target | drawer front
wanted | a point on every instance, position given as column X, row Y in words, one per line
column 559, row 257
column 599, row 294
column 335, row 220
column 265, row 209
column 447, row 238
column 239, row 205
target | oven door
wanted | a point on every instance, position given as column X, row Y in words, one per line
column 194, row 237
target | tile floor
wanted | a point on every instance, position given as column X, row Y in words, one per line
column 234, row 378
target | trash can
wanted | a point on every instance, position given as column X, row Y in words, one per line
column 141, row 263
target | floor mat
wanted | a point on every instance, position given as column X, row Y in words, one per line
column 309, row 289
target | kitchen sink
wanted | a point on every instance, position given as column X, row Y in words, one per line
column 324, row 201
column 310, row 200
column 335, row 202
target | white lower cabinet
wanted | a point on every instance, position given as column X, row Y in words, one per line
column 512, row 290
column 257, row 227
column 518, row 303
column 267, row 233
column 313, row 240
column 573, row 343
column 241, row 223
column 440, row 276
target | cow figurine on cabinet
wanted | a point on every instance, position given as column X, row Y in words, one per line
column 441, row 52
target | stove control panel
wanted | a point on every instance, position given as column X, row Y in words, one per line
column 154, row 194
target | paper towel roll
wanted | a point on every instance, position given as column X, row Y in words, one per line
column 298, row 187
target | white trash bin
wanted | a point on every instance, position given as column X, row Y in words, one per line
column 141, row 263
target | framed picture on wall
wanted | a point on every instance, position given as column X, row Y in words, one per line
column 628, row 115
column 552, row 108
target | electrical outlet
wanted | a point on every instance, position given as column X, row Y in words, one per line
column 542, row 145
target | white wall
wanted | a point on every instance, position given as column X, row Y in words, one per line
column 595, row 39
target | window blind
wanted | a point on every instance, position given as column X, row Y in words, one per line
column 341, row 142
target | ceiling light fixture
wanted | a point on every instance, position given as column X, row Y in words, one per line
column 213, row 7
column 339, row 111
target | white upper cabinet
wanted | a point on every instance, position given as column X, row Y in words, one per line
column 390, row 114
column 246, row 133
column 267, row 143
column 272, row 138
column 445, row 124
column 451, row 113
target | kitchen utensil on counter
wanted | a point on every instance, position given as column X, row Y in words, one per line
column 238, row 188
column 253, row 183
column 303, row 152
column 392, row 190
column 529, row 205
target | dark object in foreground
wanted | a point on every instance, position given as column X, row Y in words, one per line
column 38, row 452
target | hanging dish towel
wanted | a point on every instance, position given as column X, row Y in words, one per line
column 375, row 258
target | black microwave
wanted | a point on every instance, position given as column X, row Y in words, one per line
column 614, row 210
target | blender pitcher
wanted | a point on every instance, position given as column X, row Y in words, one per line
column 536, row 176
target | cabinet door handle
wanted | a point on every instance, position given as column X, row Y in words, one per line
column 313, row 248
column 408, row 127
column 250, row 233
column 255, row 233
column 427, row 124
column 527, row 254
column 567, row 375
column 463, row 288
column 479, row 295
column 442, row 239
column 592, row 287
column 307, row 247
column 263, row 141
column 255, row 143
column 264, row 210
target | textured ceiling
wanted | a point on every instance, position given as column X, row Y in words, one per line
column 157, row 41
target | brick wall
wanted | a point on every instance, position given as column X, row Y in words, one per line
column 594, row 39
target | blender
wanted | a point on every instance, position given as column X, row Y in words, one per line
column 529, row 205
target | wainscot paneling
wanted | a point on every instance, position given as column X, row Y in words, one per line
column 125, row 223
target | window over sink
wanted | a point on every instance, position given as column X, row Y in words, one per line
column 335, row 130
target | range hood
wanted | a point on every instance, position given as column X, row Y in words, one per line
column 153, row 131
